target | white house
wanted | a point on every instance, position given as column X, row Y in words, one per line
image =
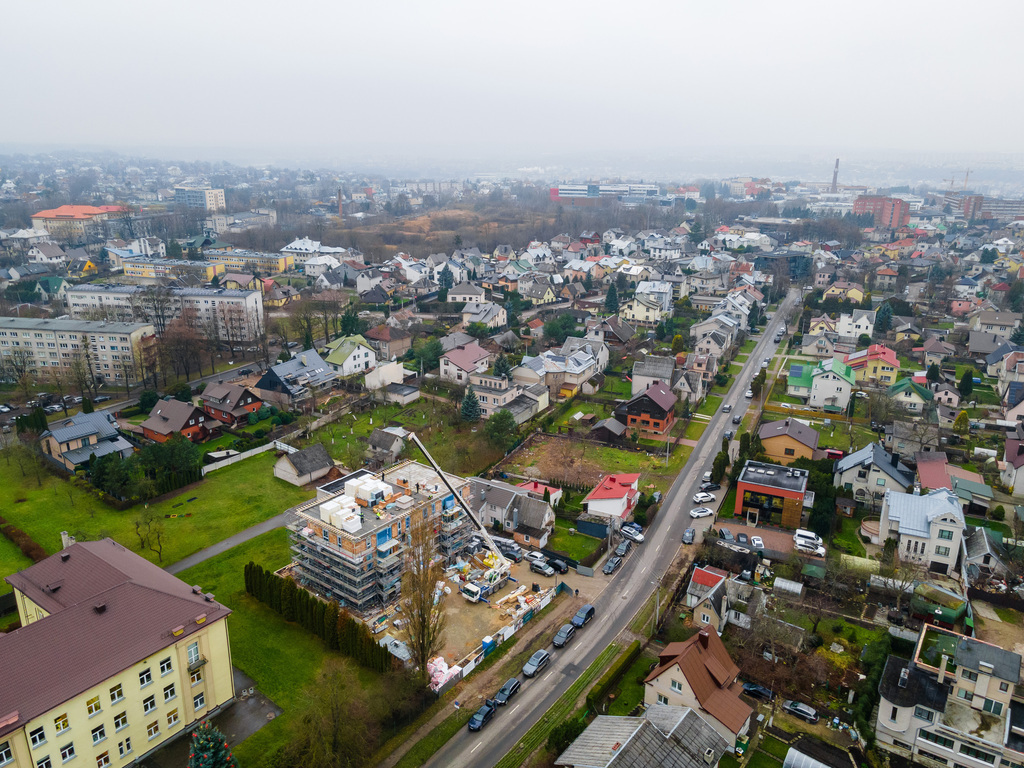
column 614, row 496
column 870, row 472
column 466, row 293
column 491, row 315
column 851, row 326
column 317, row 265
column 457, row 364
column 351, row 355
column 927, row 529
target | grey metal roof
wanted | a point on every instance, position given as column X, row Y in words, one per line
column 655, row 367
column 876, row 455
column 971, row 653
column 915, row 514
column 75, row 326
column 102, row 448
column 82, row 425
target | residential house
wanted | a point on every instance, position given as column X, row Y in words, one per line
column 950, row 703
column 934, row 351
column 914, row 398
column 305, row 466
column 73, row 441
column 787, row 440
column 170, row 417
column 456, row 339
column 613, row 331
column 491, row 315
column 905, row 329
column 614, row 496
column 82, row 268
column 907, row 438
column 1000, row 323
column 771, row 494
column 704, row 366
column 982, row 343
column 1012, row 475
column 150, row 659
column 845, row 291
column 350, row 355
column 827, row 385
column 877, row 365
column 597, row 349
column 650, row 412
column 852, row 325
column 715, row 344
column 367, row 279
column 986, row 554
column 537, row 490
column 822, row 347
column 295, row 381
column 885, row 279
column 526, row 519
column 704, row 579
column 642, row 311
column 47, row 254
column 948, row 395
column 538, row 292
column 50, row 288
column 498, row 393
column 608, row 431
column 466, row 293
column 563, row 375
column 698, row 673
column 280, row 295
column 927, row 529
column 230, row 403
column 821, row 325
column 318, row 265
column 457, row 364
column 661, row 735
column 388, row 342
column 384, row 447
column 651, row 369
column 870, row 472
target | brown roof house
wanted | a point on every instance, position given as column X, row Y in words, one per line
column 305, row 466
column 389, row 342
column 230, row 403
column 698, row 673
column 173, row 416
column 99, row 623
column 787, row 440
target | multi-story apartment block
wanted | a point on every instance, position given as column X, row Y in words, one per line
column 204, row 198
column 147, row 659
column 952, row 704
column 888, row 212
column 147, row 269
column 74, row 222
column 238, row 314
column 349, row 544
column 240, row 260
column 113, row 351
column 927, row 529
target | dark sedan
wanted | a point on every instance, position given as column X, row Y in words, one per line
column 508, row 690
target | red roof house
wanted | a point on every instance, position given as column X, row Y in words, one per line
column 614, row 496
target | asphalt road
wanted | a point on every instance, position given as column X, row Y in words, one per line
column 633, row 585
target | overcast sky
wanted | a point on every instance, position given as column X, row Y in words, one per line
column 343, row 80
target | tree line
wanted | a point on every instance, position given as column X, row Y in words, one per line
column 153, row 470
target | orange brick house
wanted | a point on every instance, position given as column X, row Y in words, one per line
column 230, row 403
column 650, row 411
column 170, row 417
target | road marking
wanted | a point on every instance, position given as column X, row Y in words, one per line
column 474, row 749
column 517, row 706
column 625, row 595
column 548, row 674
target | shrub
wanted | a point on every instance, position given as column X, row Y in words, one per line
column 565, row 734
column 276, row 421
column 640, row 516
column 999, row 513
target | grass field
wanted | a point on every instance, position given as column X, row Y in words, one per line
column 577, row 546
column 773, row 746
column 695, row 429
column 992, row 525
column 748, row 346
column 710, row 405
column 849, row 537
column 630, row 691
column 226, row 502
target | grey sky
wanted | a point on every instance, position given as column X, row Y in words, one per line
column 430, row 79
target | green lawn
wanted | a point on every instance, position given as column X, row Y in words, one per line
column 992, row 525
column 599, row 410
column 695, row 429
column 226, row 502
column 577, row 546
column 728, row 502
column 735, row 368
column 748, row 346
column 617, row 386
column 630, row 691
column 724, row 389
column 710, row 406
column 11, row 560
column 740, row 358
column 761, row 760
column 1008, row 615
column 849, row 538
column 773, row 746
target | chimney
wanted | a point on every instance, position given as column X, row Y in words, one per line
column 904, row 676
column 303, row 359
column 703, row 637
column 942, row 669
column 895, row 459
column 65, row 556
column 100, row 607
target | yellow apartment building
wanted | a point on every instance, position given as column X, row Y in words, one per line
column 115, row 657
column 149, row 269
column 240, row 260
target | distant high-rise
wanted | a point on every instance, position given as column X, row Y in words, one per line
column 888, row 212
column 204, row 198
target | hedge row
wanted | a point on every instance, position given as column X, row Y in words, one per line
column 338, row 630
column 25, row 543
column 611, row 678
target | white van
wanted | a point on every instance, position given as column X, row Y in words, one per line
column 803, row 536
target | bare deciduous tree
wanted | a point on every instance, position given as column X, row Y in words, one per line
column 425, row 618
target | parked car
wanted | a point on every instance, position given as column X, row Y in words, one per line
column 623, row 549
column 536, row 557
column 708, row 487
column 749, row 394
column 757, row 542
column 634, row 525
column 758, row 691
column 102, row 399
column 632, row 535
column 764, row 363
column 245, row 372
column 515, row 555
column 537, row 662
column 564, row 636
column 803, row 711
column 707, row 477
column 737, row 418
column 483, row 715
column 697, row 512
column 726, row 535
column 559, row 565
column 726, row 408
column 741, row 538
column 729, row 434
column 583, row 616
column 689, row 535
column 507, row 691
column 292, row 344
column 702, row 497
column 611, row 565
column 541, row 567
column 807, row 548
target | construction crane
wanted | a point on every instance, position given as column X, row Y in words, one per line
column 496, row 577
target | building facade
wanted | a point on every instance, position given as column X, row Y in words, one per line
column 927, row 529
column 204, row 198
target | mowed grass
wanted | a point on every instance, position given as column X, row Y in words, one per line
column 227, row 501
column 695, row 429
column 630, row 690
column 710, row 405
column 577, row 545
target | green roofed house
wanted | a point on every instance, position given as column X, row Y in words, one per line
column 911, row 396
column 52, row 288
column 350, row 355
column 827, row 385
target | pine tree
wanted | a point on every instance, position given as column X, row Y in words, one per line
column 933, row 372
column 883, row 320
column 331, row 626
column 470, row 410
column 288, row 599
column 1017, row 337
column 502, row 367
column 611, row 300
column 210, row 749
column 966, row 383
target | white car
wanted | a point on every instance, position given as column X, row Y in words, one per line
column 749, row 394
column 807, row 548
column 536, row 557
column 757, row 542
column 632, row 535
column 703, row 497
column 700, row 512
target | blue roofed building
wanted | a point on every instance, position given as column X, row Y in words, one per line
column 927, row 529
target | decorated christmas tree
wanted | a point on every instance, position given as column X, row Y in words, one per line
column 210, row 749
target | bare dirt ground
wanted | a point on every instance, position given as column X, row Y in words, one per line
column 1008, row 635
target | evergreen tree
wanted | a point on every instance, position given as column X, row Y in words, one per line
column 470, row 409
column 446, row 279
column 288, row 599
column 307, row 339
column 210, row 749
column 502, row 367
column 966, row 383
column 1017, row 337
column 933, row 373
column 588, row 283
column 883, row 320
column 611, row 300
column 87, row 406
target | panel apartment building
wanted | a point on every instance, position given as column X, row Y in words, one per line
column 204, row 198
column 153, row 271
column 242, row 260
column 238, row 313
column 115, row 656
column 350, row 545
column 40, row 345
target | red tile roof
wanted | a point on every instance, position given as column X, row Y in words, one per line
column 708, row 576
column 76, row 212
column 614, row 487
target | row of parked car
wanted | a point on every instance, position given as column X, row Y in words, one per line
column 536, row 664
column 631, row 532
